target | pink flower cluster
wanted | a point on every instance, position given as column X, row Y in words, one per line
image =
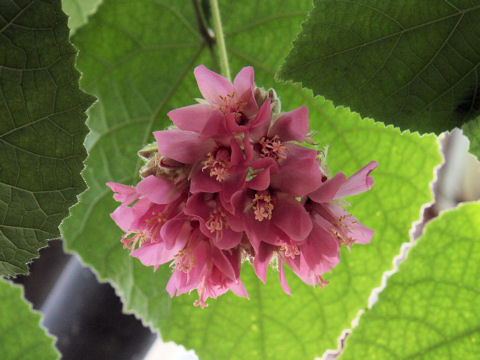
column 231, row 182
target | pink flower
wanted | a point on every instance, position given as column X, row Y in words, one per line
column 222, row 170
column 332, row 225
column 214, row 220
column 144, row 225
column 342, row 224
column 232, row 182
column 268, row 216
column 207, row 269
column 227, row 108
column 298, row 171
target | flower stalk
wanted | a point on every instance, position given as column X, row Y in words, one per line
column 218, row 29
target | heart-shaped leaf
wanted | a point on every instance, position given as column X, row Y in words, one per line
column 412, row 63
column 429, row 309
column 42, row 129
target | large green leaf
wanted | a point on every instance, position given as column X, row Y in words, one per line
column 21, row 336
column 411, row 63
column 141, row 72
column 41, row 128
column 78, row 12
column 429, row 309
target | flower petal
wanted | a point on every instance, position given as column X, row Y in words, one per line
column 172, row 283
column 184, row 146
column 236, row 156
column 203, row 119
column 283, row 279
column 203, row 182
column 212, row 85
column 260, row 231
column 238, row 288
column 299, row 174
column 321, row 250
column 197, row 207
column 130, row 218
column 222, row 263
column 262, row 167
column 355, row 230
column 262, row 259
column 123, row 217
column 230, row 186
column 154, row 254
column 291, row 126
column 228, row 239
column 244, row 88
column 328, row 190
column 346, row 225
column 358, row 182
column 158, row 190
column 192, row 117
column 176, row 232
column 259, row 125
column 123, row 193
column 292, row 218
column 215, row 126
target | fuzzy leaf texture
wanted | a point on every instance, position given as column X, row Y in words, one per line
column 21, row 336
column 413, row 64
column 429, row 309
column 138, row 59
column 42, row 113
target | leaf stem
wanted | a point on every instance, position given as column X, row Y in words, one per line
column 222, row 50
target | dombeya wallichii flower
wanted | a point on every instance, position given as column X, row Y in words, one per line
column 231, row 182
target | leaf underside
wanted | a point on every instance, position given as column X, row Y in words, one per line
column 413, row 63
column 138, row 60
column 42, row 113
column 429, row 310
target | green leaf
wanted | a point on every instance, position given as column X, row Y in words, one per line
column 140, row 73
column 21, row 336
column 412, row 63
column 41, row 129
column 78, row 12
column 429, row 309
column 472, row 131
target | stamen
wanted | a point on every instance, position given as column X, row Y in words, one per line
column 322, row 281
column 218, row 164
column 154, row 225
column 200, row 303
column 201, row 290
column 290, row 250
column 273, row 148
column 131, row 239
column 217, row 221
column 342, row 230
column 262, row 207
column 184, row 261
column 227, row 105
